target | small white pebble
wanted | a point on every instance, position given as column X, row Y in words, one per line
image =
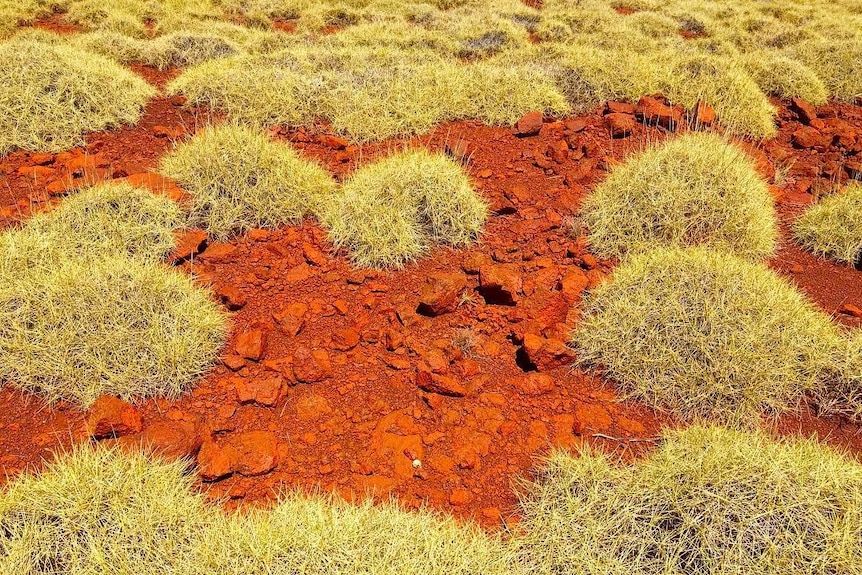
column 417, row 464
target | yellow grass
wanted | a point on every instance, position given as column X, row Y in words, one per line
column 833, row 227
column 708, row 500
column 705, row 334
column 239, row 179
column 694, row 190
column 392, row 211
column 50, row 95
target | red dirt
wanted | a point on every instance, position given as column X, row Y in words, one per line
column 305, row 314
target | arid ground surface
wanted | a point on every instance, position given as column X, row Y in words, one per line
column 338, row 378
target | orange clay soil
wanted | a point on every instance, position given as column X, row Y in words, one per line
column 335, row 378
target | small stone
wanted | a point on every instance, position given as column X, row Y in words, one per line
column 803, row 110
column 546, row 353
column 500, row 284
column 534, row 384
column 112, row 417
column 850, row 309
column 573, row 284
column 530, row 124
column 256, row 452
column 231, row 297
column 807, row 137
column 214, row 462
column 653, row 112
column 441, row 293
column 620, row 125
column 250, row 344
column 345, row 339
column 311, row 366
column 333, row 142
column 702, row 115
column 265, row 391
column 440, row 384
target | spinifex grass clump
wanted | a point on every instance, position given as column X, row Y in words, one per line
column 100, row 511
column 111, row 512
column 104, row 220
column 708, row 500
column 706, row 334
column 50, row 95
column 77, row 329
column 833, row 228
column 694, row 190
column 367, row 92
column 392, row 211
column 240, row 179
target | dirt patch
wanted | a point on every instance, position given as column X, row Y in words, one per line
column 397, row 381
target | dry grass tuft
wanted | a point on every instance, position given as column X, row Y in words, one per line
column 392, row 211
column 76, row 329
column 833, row 227
column 52, row 94
column 368, row 93
column 706, row 335
column 694, row 190
column 239, row 179
column 708, row 500
column 102, row 511
column 110, row 512
column 107, row 219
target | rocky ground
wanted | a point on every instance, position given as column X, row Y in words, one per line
column 441, row 383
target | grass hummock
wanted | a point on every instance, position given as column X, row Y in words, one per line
column 393, row 210
column 705, row 334
column 694, row 190
column 239, row 179
column 833, row 227
column 707, row 500
column 52, row 94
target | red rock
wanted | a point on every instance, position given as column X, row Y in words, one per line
column 345, row 339
column 214, row 462
column 256, row 452
column 591, row 418
column 167, row 132
column 620, row 125
column 804, row 110
column 233, row 362
column 311, row 366
column 807, row 137
column 298, row 273
column 112, row 417
column 702, row 115
column 530, row 124
column 533, row 384
column 332, row 142
column 653, row 112
column 500, row 283
column 231, row 296
column 189, row 243
column 440, row 384
column 441, row 293
column 313, row 255
column 573, row 284
column 170, row 439
column 460, row 497
column 80, row 164
column 156, row 183
column 217, row 251
column 850, row 309
column 612, row 107
column 251, row 344
column 37, row 173
column 545, row 353
column 266, row 391
column 312, row 407
column 41, row 159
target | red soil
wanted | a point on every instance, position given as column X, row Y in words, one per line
column 476, row 394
